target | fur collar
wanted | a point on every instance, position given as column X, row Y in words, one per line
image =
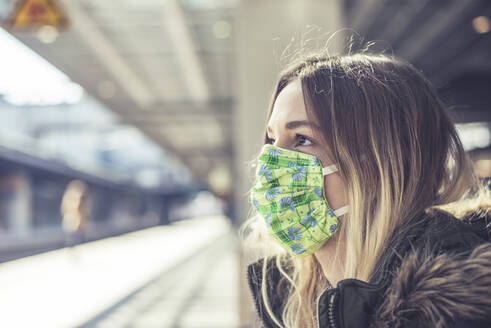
column 432, row 288
column 438, row 275
column 443, row 290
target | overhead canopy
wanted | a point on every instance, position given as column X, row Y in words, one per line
column 167, row 67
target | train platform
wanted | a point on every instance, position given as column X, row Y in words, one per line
column 182, row 275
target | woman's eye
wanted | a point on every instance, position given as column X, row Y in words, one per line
column 303, row 140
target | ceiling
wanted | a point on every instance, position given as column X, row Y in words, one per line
column 440, row 37
column 167, row 66
column 162, row 66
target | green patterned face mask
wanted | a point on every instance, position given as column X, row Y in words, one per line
column 289, row 194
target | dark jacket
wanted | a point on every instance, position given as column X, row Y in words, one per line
column 437, row 275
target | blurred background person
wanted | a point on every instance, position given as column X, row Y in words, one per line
column 76, row 212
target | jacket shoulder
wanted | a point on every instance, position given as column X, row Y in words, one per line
column 480, row 222
column 444, row 290
column 446, row 281
column 441, row 232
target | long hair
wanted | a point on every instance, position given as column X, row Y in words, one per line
column 397, row 152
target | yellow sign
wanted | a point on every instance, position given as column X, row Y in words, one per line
column 37, row 13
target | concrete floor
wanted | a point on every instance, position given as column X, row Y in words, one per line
column 183, row 275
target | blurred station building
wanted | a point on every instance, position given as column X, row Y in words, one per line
column 127, row 131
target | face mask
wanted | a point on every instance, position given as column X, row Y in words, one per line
column 289, row 194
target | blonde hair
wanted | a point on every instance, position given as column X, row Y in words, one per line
column 397, row 151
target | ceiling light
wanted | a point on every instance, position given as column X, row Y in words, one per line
column 47, row 34
column 481, row 24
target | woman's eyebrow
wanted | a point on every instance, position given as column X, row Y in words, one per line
column 295, row 124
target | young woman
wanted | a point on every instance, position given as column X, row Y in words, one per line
column 364, row 184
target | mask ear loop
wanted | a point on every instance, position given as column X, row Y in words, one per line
column 341, row 211
column 328, row 170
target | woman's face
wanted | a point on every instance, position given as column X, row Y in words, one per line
column 290, row 128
